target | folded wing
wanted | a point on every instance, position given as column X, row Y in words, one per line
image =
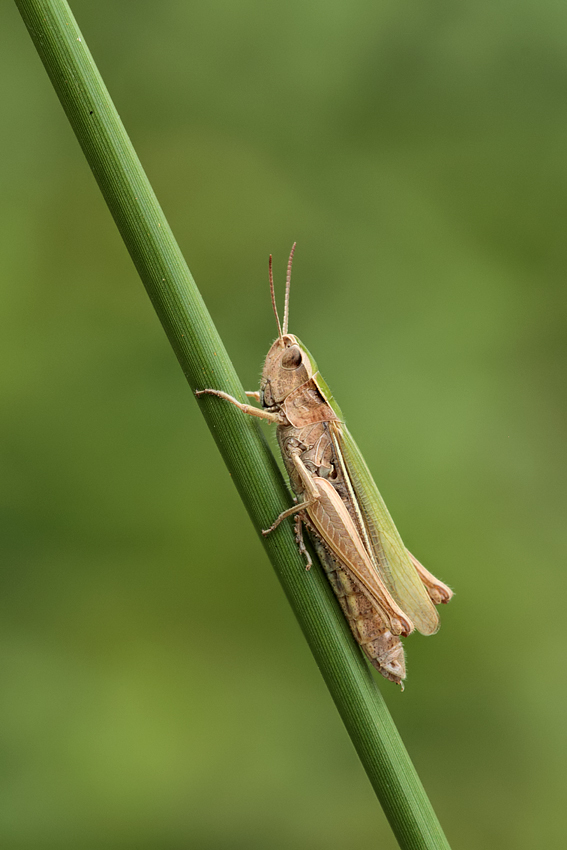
column 392, row 560
column 337, row 530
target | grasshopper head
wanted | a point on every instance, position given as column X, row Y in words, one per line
column 288, row 365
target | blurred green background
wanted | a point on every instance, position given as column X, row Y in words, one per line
column 155, row 689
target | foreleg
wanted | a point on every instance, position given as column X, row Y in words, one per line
column 245, row 408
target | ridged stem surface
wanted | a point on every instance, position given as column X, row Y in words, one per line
column 205, row 363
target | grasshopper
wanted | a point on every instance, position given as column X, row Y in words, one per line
column 383, row 590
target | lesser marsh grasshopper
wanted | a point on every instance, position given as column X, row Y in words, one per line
column 383, row 590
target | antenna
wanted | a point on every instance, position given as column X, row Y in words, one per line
column 274, row 297
column 287, row 286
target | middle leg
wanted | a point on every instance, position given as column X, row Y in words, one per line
column 298, row 523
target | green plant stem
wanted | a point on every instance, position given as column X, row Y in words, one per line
column 205, row 363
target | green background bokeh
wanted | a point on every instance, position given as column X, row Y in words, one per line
column 155, row 689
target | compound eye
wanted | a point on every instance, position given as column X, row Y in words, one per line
column 292, row 357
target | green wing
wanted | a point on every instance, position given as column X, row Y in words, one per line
column 390, row 554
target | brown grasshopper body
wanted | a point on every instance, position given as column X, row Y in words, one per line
column 337, row 541
column 382, row 589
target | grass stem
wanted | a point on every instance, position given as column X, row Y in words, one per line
column 204, row 361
